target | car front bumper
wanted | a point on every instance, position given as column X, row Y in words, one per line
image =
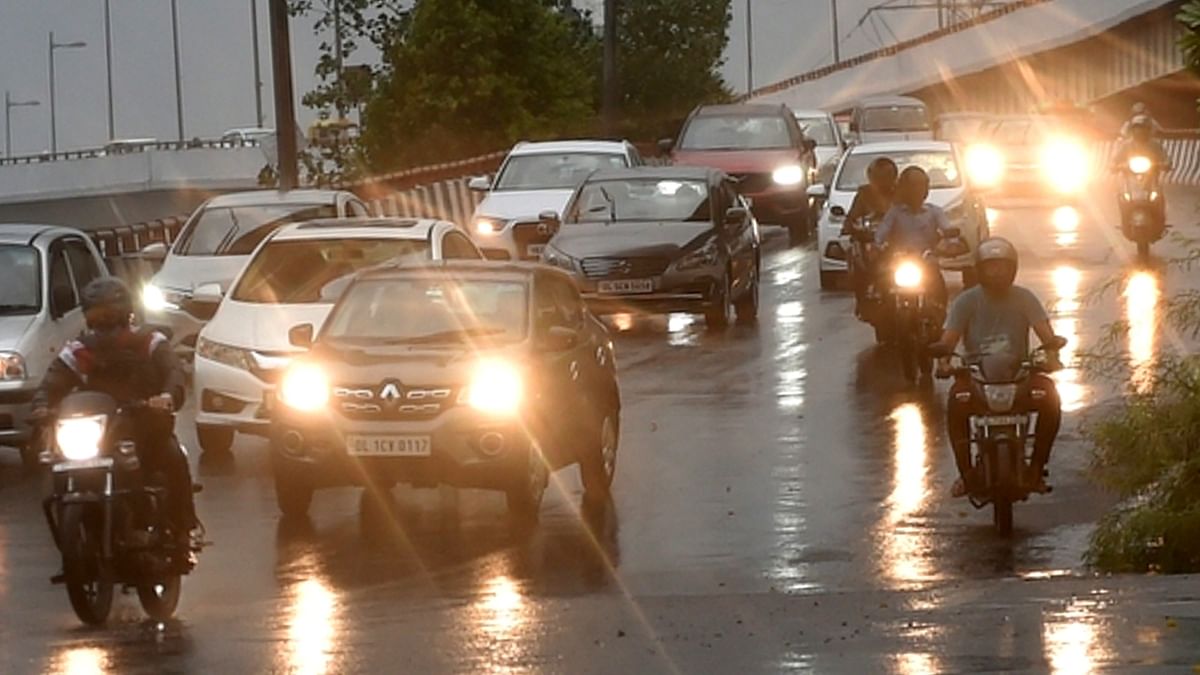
column 15, row 407
column 231, row 397
column 691, row 292
column 778, row 205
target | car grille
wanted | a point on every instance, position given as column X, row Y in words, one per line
column 624, row 268
column 392, row 401
column 201, row 310
column 750, row 183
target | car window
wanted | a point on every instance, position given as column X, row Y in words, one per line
column 569, row 304
column 940, row 165
column 1012, row 132
column 239, row 230
column 357, row 209
column 818, row 129
column 83, row 264
column 635, row 157
column 736, row 132
column 20, row 280
column 430, row 311
column 60, row 278
column 455, row 245
column 895, row 118
column 548, row 313
column 642, row 200
column 318, row 270
column 553, row 171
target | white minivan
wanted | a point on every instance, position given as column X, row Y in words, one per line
column 884, row 119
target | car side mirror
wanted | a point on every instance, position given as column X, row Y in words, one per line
column 549, row 221
column 559, row 339
column 301, row 336
column 61, row 299
column 208, row 294
column 735, row 215
column 479, row 184
column 495, row 254
column 837, row 211
column 818, row 191
column 666, row 145
column 156, row 251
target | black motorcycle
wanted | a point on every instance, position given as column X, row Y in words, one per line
column 1002, row 425
column 1143, row 211
column 108, row 517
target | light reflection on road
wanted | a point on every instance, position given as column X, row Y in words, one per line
column 1065, row 321
column 1066, row 226
column 1071, row 639
column 681, row 330
column 500, row 616
column 917, row 664
column 81, row 661
column 314, row 627
column 1141, row 309
column 903, row 536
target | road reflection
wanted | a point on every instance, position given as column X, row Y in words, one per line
column 789, row 328
column 1065, row 321
column 499, row 623
column 903, row 535
column 314, row 624
column 1141, row 312
column 81, row 661
column 1066, row 226
column 681, row 330
column 1071, row 638
column 917, row 664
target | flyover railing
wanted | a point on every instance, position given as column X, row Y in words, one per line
column 133, row 147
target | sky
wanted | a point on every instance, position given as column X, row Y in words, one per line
column 216, row 56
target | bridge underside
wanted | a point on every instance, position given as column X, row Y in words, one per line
column 105, row 212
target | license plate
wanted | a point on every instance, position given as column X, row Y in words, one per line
column 535, row 250
column 388, row 446
column 626, row 286
column 83, row 465
column 1003, row 420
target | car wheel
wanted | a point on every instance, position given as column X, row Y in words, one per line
column 29, row 454
column 293, row 494
column 214, row 440
column 831, row 281
column 747, row 305
column 720, row 310
column 524, row 496
column 599, row 464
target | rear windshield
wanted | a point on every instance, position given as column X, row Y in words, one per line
column 895, row 118
column 318, row 270
column 736, row 132
column 238, row 230
column 20, row 280
column 553, row 171
column 818, row 129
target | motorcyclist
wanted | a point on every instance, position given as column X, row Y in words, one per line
column 871, row 203
column 1141, row 142
column 913, row 225
column 992, row 318
column 1139, row 109
column 129, row 364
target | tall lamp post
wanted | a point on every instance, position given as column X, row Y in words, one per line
column 108, row 68
column 285, row 106
column 9, row 104
column 749, row 48
column 55, row 46
column 258, row 102
column 178, row 83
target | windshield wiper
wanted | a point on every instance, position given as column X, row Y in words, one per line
column 457, row 334
column 612, row 205
column 17, row 308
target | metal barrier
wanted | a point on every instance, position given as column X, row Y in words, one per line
column 107, row 151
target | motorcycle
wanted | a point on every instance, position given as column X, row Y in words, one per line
column 1002, row 428
column 1143, row 211
column 107, row 516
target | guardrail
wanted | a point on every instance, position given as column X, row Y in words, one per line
column 127, row 149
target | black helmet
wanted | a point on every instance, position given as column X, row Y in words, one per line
column 996, row 262
column 106, row 302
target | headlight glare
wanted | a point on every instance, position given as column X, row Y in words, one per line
column 908, row 275
column 155, row 300
column 496, row 388
column 229, row 355
column 1000, row 397
column 1140, row 164
column 79, row 438
column 12, row 366
column 791, row 174
column 488, row 226
column 1065, row 165
column 305, row 388
column 985, row 165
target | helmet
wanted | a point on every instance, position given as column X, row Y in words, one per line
column 882, row 167
column 107, row 303
column 996, row 262
column 1141, row 122
column 1139, row 108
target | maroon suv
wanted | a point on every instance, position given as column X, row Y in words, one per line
column 764, row 148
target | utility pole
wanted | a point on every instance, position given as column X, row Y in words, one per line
column 749, row 48
column 609, row 111
column 285, row 107
column 109, row 67
column 837, row 51
column 258, row 103
column 53, row 121
column 337, row 48
column 178, row 77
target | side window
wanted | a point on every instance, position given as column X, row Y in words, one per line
column 456, row 246
column 549, row 314
column 62, row 292
column 569, row 304
column 83, row 264
column 635, row 157
column 357, row 209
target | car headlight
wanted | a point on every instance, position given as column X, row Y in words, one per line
column 304, row 387
column 791, row 174
column 155, row 300
column 79, row 438
column 908, row 275
column 12, row 366
column 1139, row 164
column 555, row 257
column 707, row 255
column 488, row 226
column 985, row 165
column 496, row 388
column 1000, row 397
column 229, row 355
column 1065, row 164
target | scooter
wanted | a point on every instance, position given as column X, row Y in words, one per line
column 1143, row 210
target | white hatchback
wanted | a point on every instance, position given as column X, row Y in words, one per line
column 294, row 276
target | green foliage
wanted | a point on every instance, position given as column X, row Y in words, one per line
column 472, row 76
column 1189, row 42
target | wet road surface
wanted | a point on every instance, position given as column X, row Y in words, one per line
column 781, row 503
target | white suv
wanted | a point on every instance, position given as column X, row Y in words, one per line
column 534, row 178
column 294, row 276
column 213, row 247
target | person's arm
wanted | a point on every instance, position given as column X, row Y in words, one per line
column 885, row 228
column 940, row 221
column 61, row 379
column 858, row 209
column 166, row 363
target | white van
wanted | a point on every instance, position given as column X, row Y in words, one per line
column 890, row 118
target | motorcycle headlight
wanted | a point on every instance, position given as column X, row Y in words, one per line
column 1000, row 397
column 496, row 388
column 555, row 257
column 908, row 275
column 705, row 256
column 79, row 438
column 304, row 387
column 1139, row 164
column 222, row 353
column 488, row 226
column 155, row 299
column 1065, row 164
column 12, row 366
column 791, row 174
column 985, row 165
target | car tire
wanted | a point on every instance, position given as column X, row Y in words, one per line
column 215, row 440
column 293, row 494
column 720, row 310
column 599, row 464
column 830, row 280
column 747, row 305
column 524, row 495
column 29, row 454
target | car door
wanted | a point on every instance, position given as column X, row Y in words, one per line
column 558, row 384
column 738, row 236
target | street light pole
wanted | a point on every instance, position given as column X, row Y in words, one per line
column 109, row 67
column 9, row 104
column 285, row 106
column 749, row 49
column 609, row 111
column 337, row 47
column 258, row 106
column 837, row 56
column 178, row 82
column 53, row 122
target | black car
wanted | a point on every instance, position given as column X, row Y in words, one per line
column 660, row 239
column 475, row 375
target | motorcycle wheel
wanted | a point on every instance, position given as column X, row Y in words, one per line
column 91, row 597
column 159, row 600
column 1003, row 489
column 908, row 358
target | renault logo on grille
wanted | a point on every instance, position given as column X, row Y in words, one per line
column 390, row 392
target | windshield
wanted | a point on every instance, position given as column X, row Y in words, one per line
column 20, row 287
column 643, row 199
column 895, row 118
column 318, row 270
column 818, row 129
column 557, row 171
column 941, row 167
column 736, row 132
column 1016, row 132
column 430, row 311
column 960, row 128
column 238, row 230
